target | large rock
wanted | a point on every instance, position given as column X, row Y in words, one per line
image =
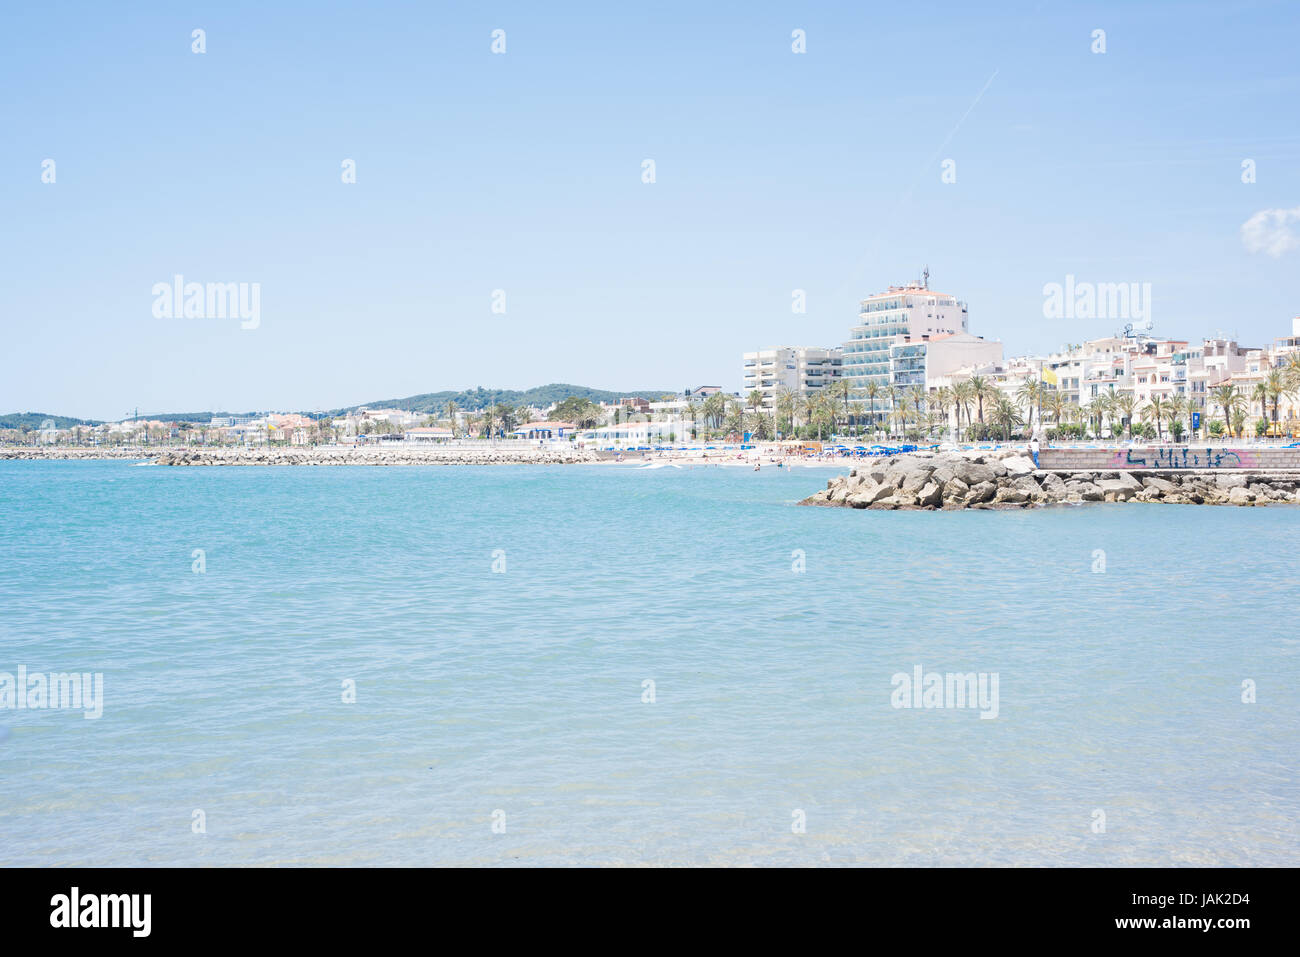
column 1115, row 490
column 1017, row 465
column 1128, row 480
column 1164, row 486
column 973, row 473
column 916, row 480
column 931, row 495
column 869, row 496
column 981, row 492
column 1240, row 496
column 1087, row 491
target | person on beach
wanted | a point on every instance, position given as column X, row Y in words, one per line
column 1033, row 449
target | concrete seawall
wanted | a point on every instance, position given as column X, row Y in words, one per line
column 1169, row 457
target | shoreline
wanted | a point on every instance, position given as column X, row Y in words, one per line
column 437, row 455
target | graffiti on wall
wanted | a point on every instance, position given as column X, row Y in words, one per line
column 1173, row 458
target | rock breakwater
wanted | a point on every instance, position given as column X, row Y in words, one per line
column 953, row 480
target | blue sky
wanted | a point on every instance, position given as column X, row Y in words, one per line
column 522, row 172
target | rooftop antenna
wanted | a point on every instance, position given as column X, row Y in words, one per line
column 926, row 275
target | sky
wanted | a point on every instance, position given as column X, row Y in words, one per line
column 523, row 172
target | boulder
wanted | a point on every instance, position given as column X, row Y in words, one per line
column 1164, row 486
column 954, row 487
column 1087, row 491
column 1017, row 465
column 870, row 496
column 1114, row 490
column 931, row 495
column 1240, row 496
column 973, row 473
column 1128, row 480
column 914, row 481
column 981, row 492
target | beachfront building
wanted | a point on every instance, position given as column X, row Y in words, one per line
column 635, row 434
column 913, row 312
column 428, row 434
column 543, row 430
column 920, row 361
column 801, row 370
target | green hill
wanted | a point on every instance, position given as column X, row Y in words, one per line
column 480, row 398
column 38, row 420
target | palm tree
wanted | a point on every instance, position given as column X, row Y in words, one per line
column 784, row 409
column 1227, row 398
column 1005, row 413
column 1157, row 408
column 1030, row 393
column 1176, row 407
column 980, row 387
column 715, row 409
column 941, row 401
column 1260, row 394
column 1123, row 403
column 1278, row 384
column 842, row 389
column 872, row 392
column 963, row 393
column 1058, row 405
column 917, row 395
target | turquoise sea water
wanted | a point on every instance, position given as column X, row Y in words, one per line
column 521, row 690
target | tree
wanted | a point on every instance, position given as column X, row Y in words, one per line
column 1239, row 420
column 1176, row 407
column 1156, row 408
column 1005, row 414
column 842, row 389
column 784, row 408
column 941, row 401
column 583, row 413
column 1058, row 405
column 1228, row 399
column 1279, row 384
column 1030, row 393
column 715, row 409
column 873, row 391
column 1124, row 403
column 982, row 389
column 963, row 394
column 917, row 395
column 1260, row 394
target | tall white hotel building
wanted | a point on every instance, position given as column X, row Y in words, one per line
column 915, row 311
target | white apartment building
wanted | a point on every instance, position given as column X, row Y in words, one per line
column 803, row 370
column 913, row 311
column 920, row 362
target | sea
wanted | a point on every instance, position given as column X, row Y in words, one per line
column 613, row 665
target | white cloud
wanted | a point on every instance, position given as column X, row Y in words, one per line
column 1270, row 231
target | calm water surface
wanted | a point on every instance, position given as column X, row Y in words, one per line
column 521, row 690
